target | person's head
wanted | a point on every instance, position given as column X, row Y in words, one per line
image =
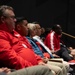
column 32, row 29
column 7, row 16
column 21, row 26
column 42, row 30
column 57, row 29
column 47, row 31
column 38, row 28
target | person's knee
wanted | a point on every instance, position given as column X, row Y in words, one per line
column 67, row 66
column 46, row 71
column 59, row 71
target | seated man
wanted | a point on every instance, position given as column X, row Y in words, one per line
column 52, row 41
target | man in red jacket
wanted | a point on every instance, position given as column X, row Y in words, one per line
column 53, row 38
column 53, row 42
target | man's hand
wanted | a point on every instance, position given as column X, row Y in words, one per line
column 45, row 59
column 41, row 63
column 6, row 70
column 56, row 56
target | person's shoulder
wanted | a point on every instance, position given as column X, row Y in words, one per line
column 48, row 35
column 3, row 33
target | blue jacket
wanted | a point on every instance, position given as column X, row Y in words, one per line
column 35, row 47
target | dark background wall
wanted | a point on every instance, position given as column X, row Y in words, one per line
column 47, row 13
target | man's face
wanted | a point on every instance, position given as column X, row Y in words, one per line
column 23, row 29
column 9, row 19
column 58, row 30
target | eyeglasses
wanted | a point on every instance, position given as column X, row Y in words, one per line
column 13, row 17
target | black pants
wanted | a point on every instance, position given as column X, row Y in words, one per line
column 63, row 53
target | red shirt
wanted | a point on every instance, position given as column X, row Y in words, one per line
column 12, row 52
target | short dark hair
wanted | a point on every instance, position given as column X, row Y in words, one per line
column 20, row 19
column 55, row 26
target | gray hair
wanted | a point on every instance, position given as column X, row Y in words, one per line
column 3, row 8
column 31, row 26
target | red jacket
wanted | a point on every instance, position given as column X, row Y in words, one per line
column 52, row 41
column 12, row 52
